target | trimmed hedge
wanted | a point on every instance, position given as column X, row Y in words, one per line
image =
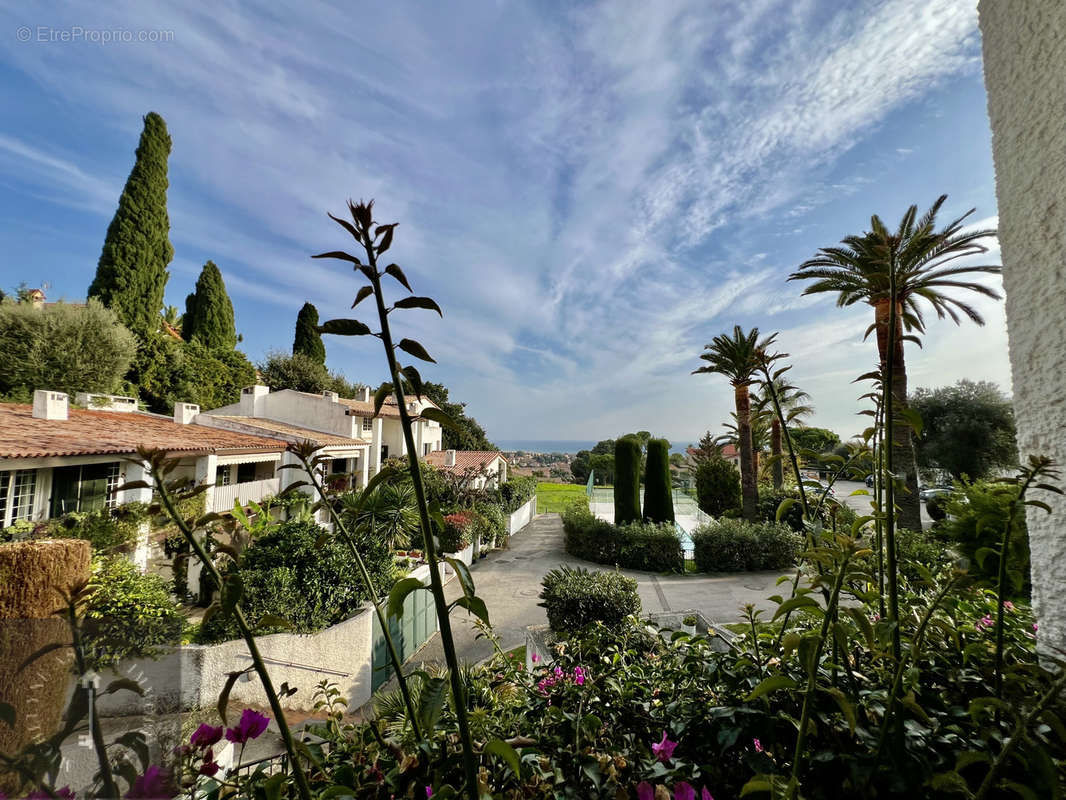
column 658, row 499
column 577, row 597
column 734, row 545
column 627, row 480
column 637, row 545
column 516, row 492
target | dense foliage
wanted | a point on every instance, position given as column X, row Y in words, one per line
column 820, row 440
column 516, row 492
column 304, row 374
column 658, row 495
column 131, row 274
column 627, row 458
column 307, row 340
column 63, row 348
column 635, row 545
column 574, row 598
column 967, row 429
column 289, row 573
column 735, row 545
column 209, row 313
column 129, row 614
column 717, row 486
column 977, row 515
column 458, row 531
column 169, row 371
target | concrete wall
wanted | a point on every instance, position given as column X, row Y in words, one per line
column 522, row 517
column 1024, row 44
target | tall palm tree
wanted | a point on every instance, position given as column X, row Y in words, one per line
column 737, row 357
column 894, row 272
column 793, row 406
column 760, row 433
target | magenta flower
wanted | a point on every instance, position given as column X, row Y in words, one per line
column 664, row 749
column 1008, row 605
column 429, row 791
column 758, row 745
column 66, row 793
column 251, row 726
column 534, row 658
column 645, row 791
column 705, row 794
column 684, row 791
column 206, row 735
column 154, row 784
column 579, row 676
column 1034, row 626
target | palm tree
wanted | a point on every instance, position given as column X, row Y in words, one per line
column 793, row 406
column 894, row 272
column 737, row 357
column 389, row 514
column 760, row 432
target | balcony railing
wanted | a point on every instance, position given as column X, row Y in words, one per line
column 244, row 492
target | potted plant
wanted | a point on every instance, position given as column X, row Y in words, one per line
column 688, row 624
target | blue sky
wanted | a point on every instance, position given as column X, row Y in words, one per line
column 591, row 192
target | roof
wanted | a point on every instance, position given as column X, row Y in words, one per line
column 87, row 432
column 464, row 459
column 363, row 408
column 270, row 426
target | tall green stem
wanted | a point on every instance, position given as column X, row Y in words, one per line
column 246, row 633
column 788, row 438
column 1001, row 578
column 890, row 499
column 458, row 690
column 394, row 657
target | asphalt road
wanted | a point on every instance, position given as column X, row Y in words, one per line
column 861, row 502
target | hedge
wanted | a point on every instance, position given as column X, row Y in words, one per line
column 516, row 492
column 575, row 597
column 626, row 480
column 658, row 499
column 734, row 545
column 637, row 545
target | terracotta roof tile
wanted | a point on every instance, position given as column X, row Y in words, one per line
column 270, row 426
column 88, row 432
column 464, row 459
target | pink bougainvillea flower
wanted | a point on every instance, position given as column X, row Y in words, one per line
column 534, row 658
column 705, row 794
column 429, row 791
column 206, row 735
column 210, row 767
column 664, row 749
column 758, row 745
column 66, row 793
column 154, row 784
column 684, row 791
column 1008, row 605
column 1034, row 626
column 579, row 676
column 251, row 726
column 645, row 791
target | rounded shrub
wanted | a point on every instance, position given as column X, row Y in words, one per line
column 576, row 597
column 658, row 498
column 734, row 545
column 627, row 454
column 717, row 487
column 457, row 533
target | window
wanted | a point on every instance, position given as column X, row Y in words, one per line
column 338, row 466
column 222, row 475
column 17, row 491
column 246, row 473
column 425, row 449
column 368, row 423
column 384, row 452
column 85, row 487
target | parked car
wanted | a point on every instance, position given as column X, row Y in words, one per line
column 870, row 481
column 926, row 492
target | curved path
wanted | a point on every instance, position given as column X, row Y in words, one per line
column 509, row 583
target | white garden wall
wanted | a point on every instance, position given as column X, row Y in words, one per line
column 522, row 517
column 1024, row 44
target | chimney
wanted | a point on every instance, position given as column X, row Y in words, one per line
column 449, row 458
column 367, row 394
column 49, row 405
column 252, row 400
column 184, row 413
column 333, row 397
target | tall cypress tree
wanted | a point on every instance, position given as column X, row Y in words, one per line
column 658, row 497
column 132, row 272
column 308, row 341
column 627, row 480
column 209, row 312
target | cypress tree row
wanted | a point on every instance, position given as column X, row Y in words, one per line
column 307, row 340
column 626, row 480
column 209, row 312
column 658, row 499
column 132, row 271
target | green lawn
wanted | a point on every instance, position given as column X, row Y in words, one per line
column 555, row 497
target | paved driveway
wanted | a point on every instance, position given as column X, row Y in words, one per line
column 861, row 502
column 509, row 582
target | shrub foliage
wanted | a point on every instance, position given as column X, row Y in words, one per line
column 636, row 545
column 717, row 486
column 658, row 499
column 575, row 598
column 627, row 458
column 734, row 545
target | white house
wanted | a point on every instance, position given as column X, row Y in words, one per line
column 347, row 428
column 487, row 469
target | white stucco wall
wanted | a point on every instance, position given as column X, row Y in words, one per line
column 1024, row 43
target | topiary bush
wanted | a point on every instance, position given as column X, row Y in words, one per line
column 658, row 498
column 637, row 545
column 286, row 574
column 627, row 453
column 129, row 615
column 717, row 487
column 734, row 545
column 575, row 598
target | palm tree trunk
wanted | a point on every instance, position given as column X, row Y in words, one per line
column 775, row 451
column 747, row 461
column 903, row 460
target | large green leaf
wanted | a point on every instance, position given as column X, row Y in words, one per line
column 416, row 349
column 500, row 748
column 344, row 327
column 475, row 605
column 419, row 302
column 399, row 593
column 771, row 684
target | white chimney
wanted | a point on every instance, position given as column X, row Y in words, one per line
column 449, row 458
column 184, row 413
column 333, row 397
column 49, row 405
column 105, row 402
column 367, row 394
column 252, row 400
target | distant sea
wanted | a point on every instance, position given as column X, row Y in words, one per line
column 561, row 445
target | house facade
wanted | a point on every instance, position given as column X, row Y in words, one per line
column 485, row 469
